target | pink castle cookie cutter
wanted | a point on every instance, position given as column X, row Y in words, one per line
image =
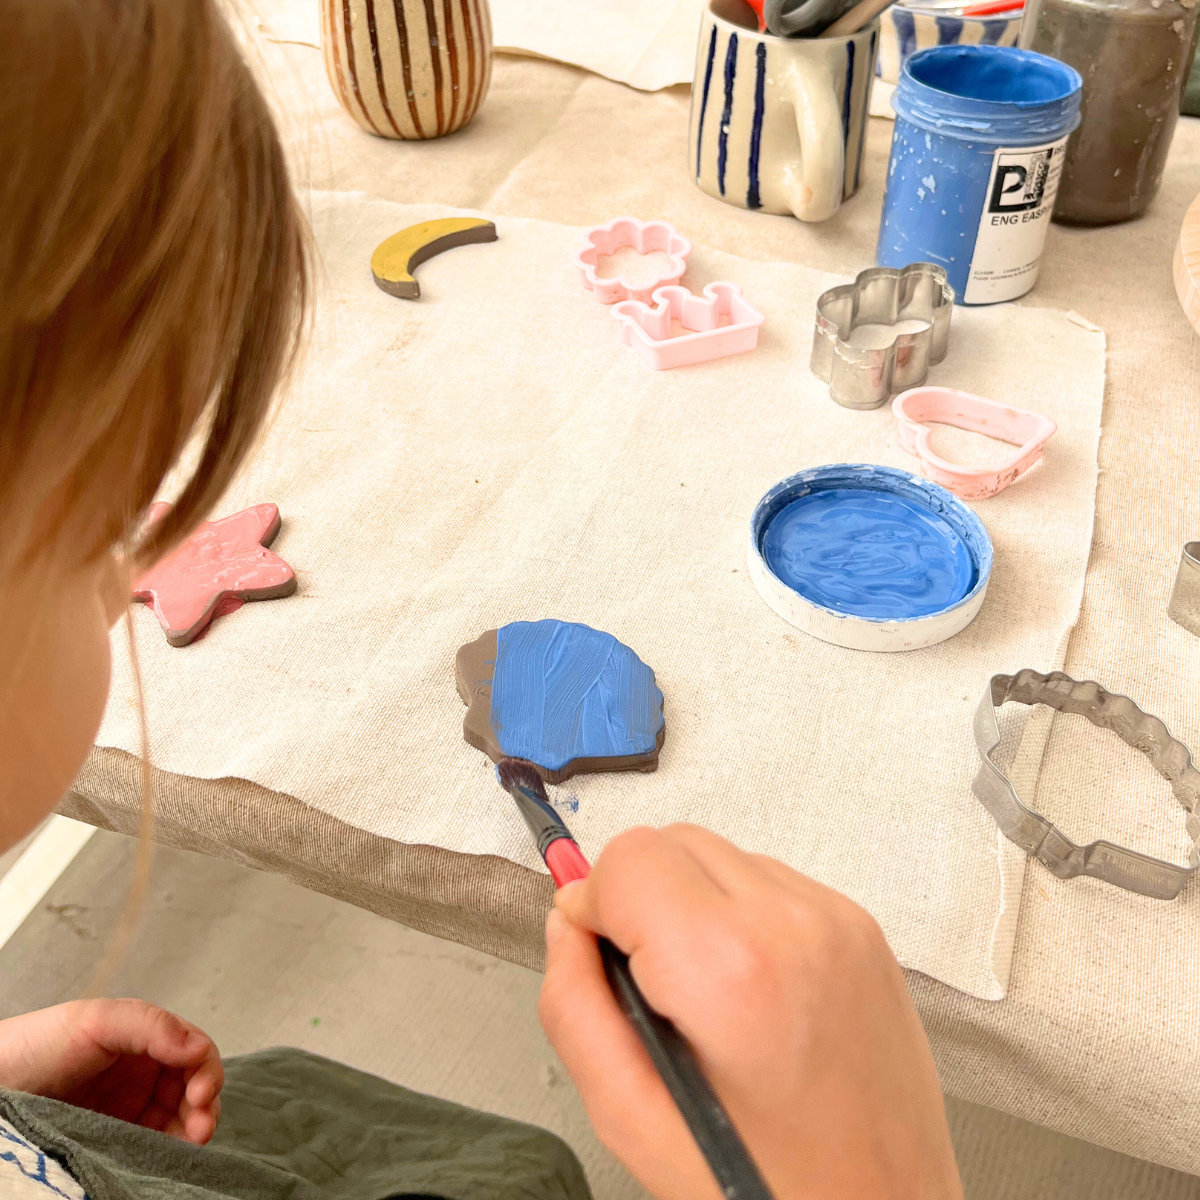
column 645, row 237
column 720, row 322
column 1029, row 431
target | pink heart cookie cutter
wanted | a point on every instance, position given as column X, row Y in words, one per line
column 645, row 237
column 648, row 330
column 1029, row 431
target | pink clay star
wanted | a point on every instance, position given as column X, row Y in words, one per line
column 218, row 567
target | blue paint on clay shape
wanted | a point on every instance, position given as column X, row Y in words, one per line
column 562, row 691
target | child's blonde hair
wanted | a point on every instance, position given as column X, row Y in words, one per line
column 153, row 270
column 153, row 282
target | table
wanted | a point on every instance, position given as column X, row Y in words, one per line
column 1097, row 1037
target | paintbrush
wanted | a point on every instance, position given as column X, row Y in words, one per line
column 719, row 1141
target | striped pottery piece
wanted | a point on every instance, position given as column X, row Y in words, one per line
column 408, row 68
column 907, row 30
column 778, row 124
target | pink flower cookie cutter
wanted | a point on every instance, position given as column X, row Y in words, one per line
column 1029, row 431
column 643, row 236
column 648, row 330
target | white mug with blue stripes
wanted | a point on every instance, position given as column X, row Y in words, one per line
column 778, row 123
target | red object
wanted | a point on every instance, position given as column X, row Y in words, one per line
column 992, row 8
column 566, row 861
column 757, row 5
column 216, row 568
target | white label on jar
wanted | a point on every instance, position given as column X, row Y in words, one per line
column 1012, row 230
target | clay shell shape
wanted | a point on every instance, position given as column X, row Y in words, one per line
column 561, row 696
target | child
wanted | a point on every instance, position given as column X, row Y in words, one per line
column 153, row 279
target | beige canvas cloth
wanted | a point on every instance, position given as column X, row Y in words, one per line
column 648, row 44
column 494, row 453
column 1096, row 1036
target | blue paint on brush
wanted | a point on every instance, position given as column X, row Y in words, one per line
column 869, row 554
column 563, row 691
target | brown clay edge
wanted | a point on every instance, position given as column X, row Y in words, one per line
column 473, row 667
column 410, row 289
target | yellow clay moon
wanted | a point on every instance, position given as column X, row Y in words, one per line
column 395, row 259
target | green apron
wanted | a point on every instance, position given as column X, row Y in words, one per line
column 298, row 1127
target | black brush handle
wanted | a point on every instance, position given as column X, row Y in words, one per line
column 719, row 1141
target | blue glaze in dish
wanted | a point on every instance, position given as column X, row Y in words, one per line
column 869, row 553
column 562, row 691
column 831, row 587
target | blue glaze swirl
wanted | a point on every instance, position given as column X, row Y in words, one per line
column 562, row 691
column 869, row 553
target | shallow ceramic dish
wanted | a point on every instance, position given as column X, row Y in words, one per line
column 869, row 557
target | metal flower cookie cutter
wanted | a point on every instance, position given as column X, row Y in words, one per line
column 1040, row 837
column 881, row 333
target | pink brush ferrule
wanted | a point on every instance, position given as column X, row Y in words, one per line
column 565, row 861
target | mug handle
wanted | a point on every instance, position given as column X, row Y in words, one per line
column 815, row 190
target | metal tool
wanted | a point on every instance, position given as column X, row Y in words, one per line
column 863, row 376
column 1038, row 836
column 1184, row 606
column 801, row 18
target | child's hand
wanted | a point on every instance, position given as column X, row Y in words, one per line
column 125, row 1058
column 792, row 1001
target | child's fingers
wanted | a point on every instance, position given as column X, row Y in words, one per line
column 627, row 1102
column 644, row 884
column 198, row 1124
column 731, row 869
column 168, row 1090
column 581, row 1017
column 135, row 1027
column 204, row 1084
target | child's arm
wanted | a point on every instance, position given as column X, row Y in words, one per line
column 125, row 1058
column 792, row 1000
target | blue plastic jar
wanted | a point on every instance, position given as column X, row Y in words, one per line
column 976, row 157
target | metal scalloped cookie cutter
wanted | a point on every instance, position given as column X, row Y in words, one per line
column 881, row 333
column 1184, row 606
column 1040, row 837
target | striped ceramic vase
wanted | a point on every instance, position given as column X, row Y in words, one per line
column 408, row 68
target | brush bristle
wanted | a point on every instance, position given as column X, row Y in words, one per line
column 515, row 773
